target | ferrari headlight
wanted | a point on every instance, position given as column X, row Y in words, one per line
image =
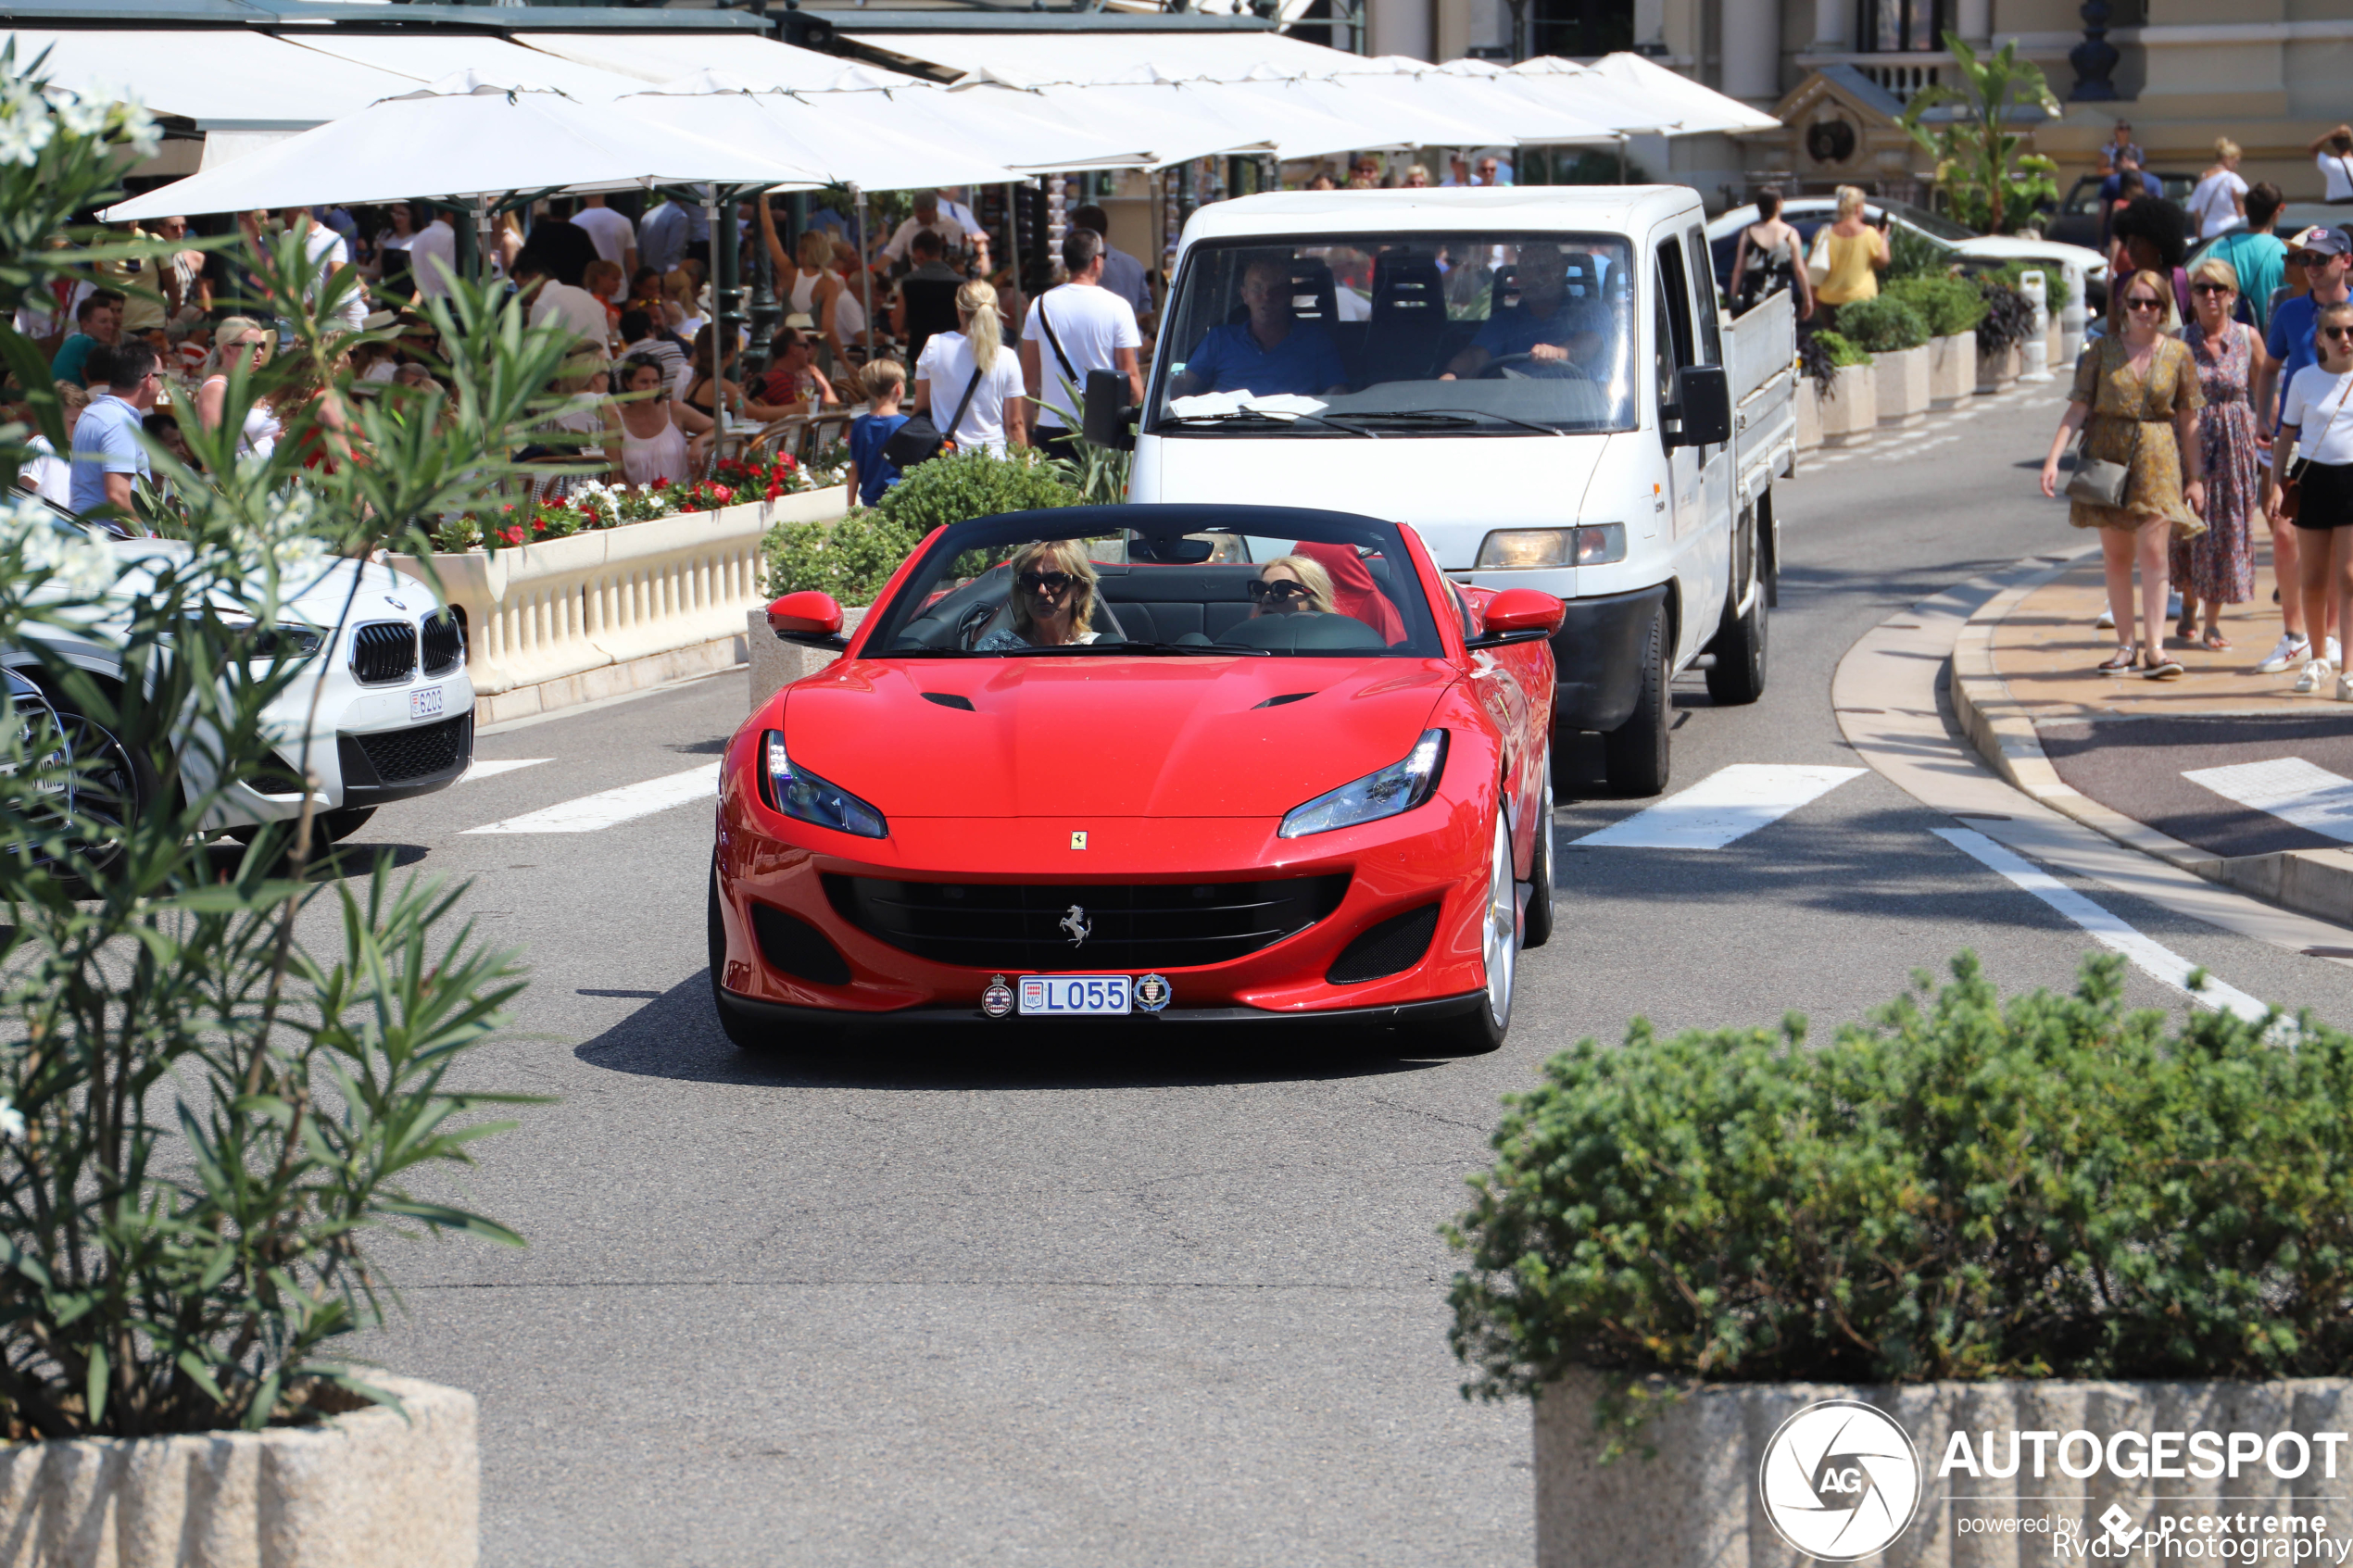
column 801, row 795
column 1400, row 786
column 1592, row 544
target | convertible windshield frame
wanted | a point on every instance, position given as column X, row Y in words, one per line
column 1175, row 584
column 1378, row 320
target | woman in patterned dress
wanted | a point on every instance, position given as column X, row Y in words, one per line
column 2139, row 390
column 2217, row 568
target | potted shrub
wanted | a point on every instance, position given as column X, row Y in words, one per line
column 1849, row 400
column 205, row 1116
column 1896, row 336
column 2000, row 334
column 1952, row 307
column 2055, row 1221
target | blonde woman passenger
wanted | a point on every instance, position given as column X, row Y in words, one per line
column 973, row 358
column 1291, row 586
column 1052, row 602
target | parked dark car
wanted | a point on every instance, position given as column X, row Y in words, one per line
column 2077, row 221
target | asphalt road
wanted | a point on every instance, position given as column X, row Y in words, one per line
column 969, row 1303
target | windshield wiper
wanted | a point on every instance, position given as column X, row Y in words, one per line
column 1449, row 417
column 1255, row 415
column 1223, row 650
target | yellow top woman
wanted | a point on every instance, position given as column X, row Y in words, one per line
column 1854, row 252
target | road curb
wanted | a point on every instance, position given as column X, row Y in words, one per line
column 2311, row 882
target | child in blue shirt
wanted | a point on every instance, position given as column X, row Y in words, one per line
column 870, row 473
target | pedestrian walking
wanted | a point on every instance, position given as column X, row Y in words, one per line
column 968, row 370
column 2324, row 256
column 2257, row 256
column 1850, row 253
column 1766, row 259
column 2219, row 203
column 2314, row 486
column 2151, row 236
column 2333, row 154
column 2136, row 399
column 2217, row 567
column 1073, row 331
column 871, row 469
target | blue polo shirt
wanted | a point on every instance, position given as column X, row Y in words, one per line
column 2294, row 328
column 1519, row 329
column 1228, row 358
column 106, row 440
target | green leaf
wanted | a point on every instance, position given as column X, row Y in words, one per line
column 31, row 371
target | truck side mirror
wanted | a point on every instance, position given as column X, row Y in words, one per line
column 1107, row 411
column 1703, row 403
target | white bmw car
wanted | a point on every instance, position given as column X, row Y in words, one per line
column 393, row 705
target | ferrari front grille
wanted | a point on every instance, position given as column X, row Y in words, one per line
column 1034, row 926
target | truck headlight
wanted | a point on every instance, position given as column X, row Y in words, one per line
column 1591, row 544
column 801, row 795
column 1400, row 786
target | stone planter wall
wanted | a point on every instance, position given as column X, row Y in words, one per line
column 1850, row 407
column 569, row 620
column 775, row 663
column 1806, row 407
column 1952, row 370
column 1698, row 1504
column 378, row 1488
column 1900, row 386
column 1997, row 372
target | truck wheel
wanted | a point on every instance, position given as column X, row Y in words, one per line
column 1738, row 675
column 1536, row 925
column 1634, row 753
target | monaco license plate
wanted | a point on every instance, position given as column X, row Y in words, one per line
column 425, row 704
column 1069, row 994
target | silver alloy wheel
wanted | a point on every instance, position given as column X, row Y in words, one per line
column 1499, row 942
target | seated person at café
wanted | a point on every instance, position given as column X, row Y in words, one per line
column 1549, row 327
column 1270, row 353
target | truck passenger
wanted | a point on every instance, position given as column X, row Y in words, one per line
column 1271, row 353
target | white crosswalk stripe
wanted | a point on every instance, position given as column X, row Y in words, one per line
column 607, row 807
column 481, row 767
column 2145, row 953
column 2289, row 788
column 1729, row 804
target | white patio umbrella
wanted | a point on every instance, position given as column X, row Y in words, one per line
column 1698, row 108
column 1018, row 128
column 1555, row 82
column 466, row 137
column 1531, row 121
column 846, row 146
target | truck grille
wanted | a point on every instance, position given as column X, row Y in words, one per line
column 444, row 641
column 404, row 756
column 383, row 652
column 1133, row 926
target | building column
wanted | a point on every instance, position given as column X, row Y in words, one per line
column 1976, row 23
column 1830, row 26
column 1752, row 49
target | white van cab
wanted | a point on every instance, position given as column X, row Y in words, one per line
column 1538, row 379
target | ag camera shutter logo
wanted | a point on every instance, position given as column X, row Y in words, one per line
column 1840, row 1480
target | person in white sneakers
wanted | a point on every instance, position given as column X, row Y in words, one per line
column 2315, row 444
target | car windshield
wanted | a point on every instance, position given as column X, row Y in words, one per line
column 1928, row 222
column 1279, row 584
column 1390, row 335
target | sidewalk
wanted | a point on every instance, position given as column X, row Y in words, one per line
column 2223, row 772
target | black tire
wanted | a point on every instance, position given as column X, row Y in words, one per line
column 1737, row 675
column 1634, row 755
column 746, row 1034
column 1536, row 925
column 116, row 784
column 1482, row 1030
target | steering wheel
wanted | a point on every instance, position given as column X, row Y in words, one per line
column 1501, row 368
column 975, row 617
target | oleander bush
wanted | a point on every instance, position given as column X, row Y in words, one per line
column 1949, row 306
column 1958, row 1188
column 975, row 484
column 1885, row 324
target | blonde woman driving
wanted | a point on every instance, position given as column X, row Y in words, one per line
column 1051, row 603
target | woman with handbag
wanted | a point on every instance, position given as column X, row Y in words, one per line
column 2318, row 490
column 2217, row 568
column 1850, row 254
column 2136, row 399
column 969, row 371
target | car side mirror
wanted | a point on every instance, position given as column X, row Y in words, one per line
column 1703, row 404
column 1519, row 615
column 1108, row 412
column 810, row 618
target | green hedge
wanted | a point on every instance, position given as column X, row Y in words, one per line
column 850, row 559
column 1841, row 350
column 1949, row 306
column 1958, row 1189
column 1884, row 324
column 974, row 484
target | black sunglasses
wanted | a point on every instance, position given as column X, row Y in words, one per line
column 1283, row 588
column 1053, row 582
column 2337, row 332
column 2143, row 302
column 2210, row 288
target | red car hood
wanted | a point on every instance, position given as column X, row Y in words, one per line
column 1102, row 736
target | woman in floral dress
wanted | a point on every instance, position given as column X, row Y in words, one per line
column 2217, row 567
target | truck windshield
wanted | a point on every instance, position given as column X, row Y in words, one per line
column 1390, row 334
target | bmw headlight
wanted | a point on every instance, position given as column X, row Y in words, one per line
column 1400, row 786
column 801, row 795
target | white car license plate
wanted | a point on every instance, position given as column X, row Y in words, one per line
column 425, row 704
column 1075, row 994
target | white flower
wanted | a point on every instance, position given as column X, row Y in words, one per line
column 140, row 132
column 23, row 132
column 84, row 114
column 300, row 559
column 11, row 1119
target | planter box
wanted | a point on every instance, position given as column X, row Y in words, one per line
column 1850, row 407
column 1997, row 372
column 776, row 664
column 377, row 1488
column 1899, row 384
column 545, row 612
column 1952, row 370
column 1703, row 1501
column 1807, row 407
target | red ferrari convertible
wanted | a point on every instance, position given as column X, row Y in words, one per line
column 1199, row 763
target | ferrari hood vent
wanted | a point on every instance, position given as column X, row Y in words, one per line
column 1286, row 697
column 950, row 699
